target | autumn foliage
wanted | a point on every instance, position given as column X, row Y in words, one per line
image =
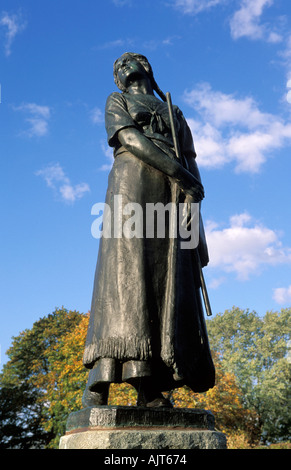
column 44, row 380
column 66, row 379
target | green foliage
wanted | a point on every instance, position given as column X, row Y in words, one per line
column 20, row 419
column 122, row 395
column 43, row 381
column 255, row 350
column 279, row 445
column 65, row 380
column 225, row 401
column 22, row 388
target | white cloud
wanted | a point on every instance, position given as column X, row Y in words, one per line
column 121, row 3
column 287, row 51
column 14, row 24
column 246, row 22
column 70, row 193
column 57, row 180
column 96, row 116
column 232, row 130
column 221, row 109
column 37, row 120
column 215, row 283
column 196, row 6
column 125, row 43
column 108, row 152
column 40, row 111
column 282, row 295
column 169, row 41
column 250, row 150
column 132, row 43
column 209, row 143
column 286, row 55
column 153, row 44
column 53, row 174
column 274, row 37
column 245, row 247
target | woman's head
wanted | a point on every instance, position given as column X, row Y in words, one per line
column 143, row 63
column 131, row 56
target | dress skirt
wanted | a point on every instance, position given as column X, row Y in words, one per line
column 146, row 315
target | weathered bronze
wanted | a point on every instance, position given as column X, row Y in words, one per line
column 147, row 325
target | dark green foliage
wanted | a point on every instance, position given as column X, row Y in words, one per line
column 21, row 405
column 255, row 349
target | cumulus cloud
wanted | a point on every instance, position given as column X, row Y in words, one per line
column 233, row 130
column 246, row 22
column 282, row 295
column 251, row 150
column 222, row 109
column 14, row 24
column 37, row 118
column 57, row 180
column 245, row 247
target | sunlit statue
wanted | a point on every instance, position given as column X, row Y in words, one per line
column 147, row 324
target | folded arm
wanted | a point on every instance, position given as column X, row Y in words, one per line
column 140, row 146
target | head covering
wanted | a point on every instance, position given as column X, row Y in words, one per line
column 146, row 65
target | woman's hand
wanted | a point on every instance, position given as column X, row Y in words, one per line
column 189, row 184
column 142, row 147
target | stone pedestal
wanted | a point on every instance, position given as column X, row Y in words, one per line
column 126, row 427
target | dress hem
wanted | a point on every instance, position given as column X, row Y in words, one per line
column 117, row 348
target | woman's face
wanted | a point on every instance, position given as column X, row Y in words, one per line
column 129, row 68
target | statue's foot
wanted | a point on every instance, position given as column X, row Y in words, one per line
column 152, row 400
column 94, row 398
column 159, row 403
column 148, row 394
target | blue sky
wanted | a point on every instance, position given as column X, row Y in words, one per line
column 227, row 64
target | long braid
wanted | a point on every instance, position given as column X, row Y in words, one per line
column 159, row 91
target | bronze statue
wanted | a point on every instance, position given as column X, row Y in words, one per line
column 147, row 325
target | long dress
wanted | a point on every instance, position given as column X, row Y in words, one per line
column 146, row 315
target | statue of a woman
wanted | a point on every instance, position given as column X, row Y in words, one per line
column 146, row 324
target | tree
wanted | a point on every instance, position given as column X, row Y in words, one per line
column 65, row 380
column 225, row 401
column 20, row 419
column 67, row 377
column 44, row 379
column 21, row 393
column 255, row 350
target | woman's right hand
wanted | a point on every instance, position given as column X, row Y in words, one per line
column 142, row 147
column 189, row 184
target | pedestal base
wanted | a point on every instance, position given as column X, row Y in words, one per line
column 144, row 439
column 123, row 427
